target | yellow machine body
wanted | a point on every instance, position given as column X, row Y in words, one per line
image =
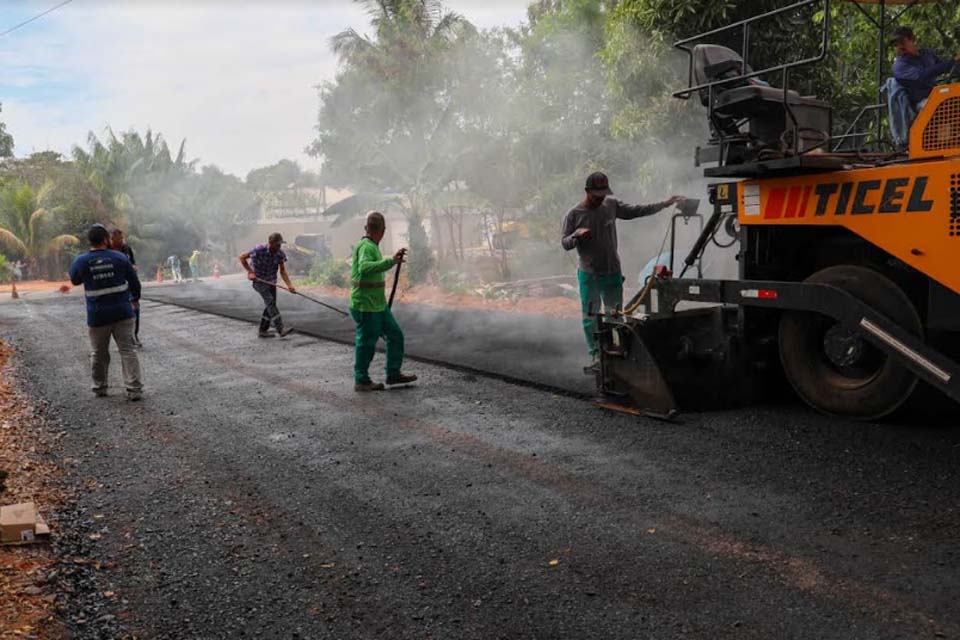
column 910, row 209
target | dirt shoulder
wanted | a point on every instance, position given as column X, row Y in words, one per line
column 26, row 461
column 557, row 307
column 31, row 286
column 55, row 589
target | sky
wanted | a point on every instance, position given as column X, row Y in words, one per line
column 236, row 79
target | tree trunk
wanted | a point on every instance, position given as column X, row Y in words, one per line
column 504, row 268
column 437, row 234
column 454, row 249
column 421, row 258
column 463, row 254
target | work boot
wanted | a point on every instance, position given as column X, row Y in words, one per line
column 593, row 368
column 134, row 396
column 369, row 385
column 265, row 334
column 401, row 378
column 283, row 333
column 100, row 392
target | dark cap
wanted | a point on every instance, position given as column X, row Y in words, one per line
column 902, row 33
column 599, row 184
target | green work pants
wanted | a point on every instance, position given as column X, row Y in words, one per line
column 594, row 289
column 371, row 325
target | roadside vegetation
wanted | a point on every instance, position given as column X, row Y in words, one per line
column 329, row 272
column 479, row 139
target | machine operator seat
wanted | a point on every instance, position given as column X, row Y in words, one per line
column 753, row 100
column 712, row 62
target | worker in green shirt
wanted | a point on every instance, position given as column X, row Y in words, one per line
column 368, row 306
column 195, row 265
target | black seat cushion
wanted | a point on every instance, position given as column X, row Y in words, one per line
column 758, row 99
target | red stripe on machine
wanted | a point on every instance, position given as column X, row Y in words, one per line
column 807, row 191
column 793, row 201
column 775, row 202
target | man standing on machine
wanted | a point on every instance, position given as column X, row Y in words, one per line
column 918, row 69
column 591, row 228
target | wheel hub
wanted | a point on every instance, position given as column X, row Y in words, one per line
column 843, row 347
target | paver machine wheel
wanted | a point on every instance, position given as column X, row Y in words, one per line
column 831, row 366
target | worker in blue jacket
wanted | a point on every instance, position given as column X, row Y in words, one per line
column 918, row 69
column 112, row 290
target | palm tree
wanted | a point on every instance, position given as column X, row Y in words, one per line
column 143, row 186
column 405, row 156
column 25, row 224
column 116, row 165
column 405, row 30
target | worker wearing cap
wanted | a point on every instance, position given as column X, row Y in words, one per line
column 368, row 306
column 112, row 292
column 267, row 260
column 591, row 229
column 915, row 68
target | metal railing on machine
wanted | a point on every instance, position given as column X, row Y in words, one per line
column 783, row 69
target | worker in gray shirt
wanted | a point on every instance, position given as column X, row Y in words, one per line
column 591, row 229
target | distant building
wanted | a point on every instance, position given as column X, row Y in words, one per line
column 300, row 211
column 298, row 202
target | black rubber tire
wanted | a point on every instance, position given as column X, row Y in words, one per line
column 817, row 381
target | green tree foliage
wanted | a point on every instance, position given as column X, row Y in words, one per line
column 166, row 205
column 67, row 189
column 285, row 189
column 282, row 175
column 6, row 270
column 223, row 206
column 388, row 125
column 6, row 141
column 120, row 166
column 27, row 227
column 643, row 68
column 435, row 118
column 330, row 272
column 848, row 78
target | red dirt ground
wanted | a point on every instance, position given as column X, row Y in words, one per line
column 434, row 296
column 26, row 609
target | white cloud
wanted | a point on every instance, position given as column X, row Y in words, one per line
column 236, row 80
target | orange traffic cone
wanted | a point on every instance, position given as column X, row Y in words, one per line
column 15, row 295
column 216, row 271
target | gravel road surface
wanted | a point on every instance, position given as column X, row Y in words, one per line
column 254, row 494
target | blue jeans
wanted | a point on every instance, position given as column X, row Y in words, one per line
column 270, row 311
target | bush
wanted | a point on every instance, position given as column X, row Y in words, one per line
column 421, row 256
column 6, row 270
column 453, row 282
column 329, row 272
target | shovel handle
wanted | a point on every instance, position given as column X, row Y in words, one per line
column 396, row 280
column 303, row 295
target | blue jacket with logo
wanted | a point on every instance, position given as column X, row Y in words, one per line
column 110, row 284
